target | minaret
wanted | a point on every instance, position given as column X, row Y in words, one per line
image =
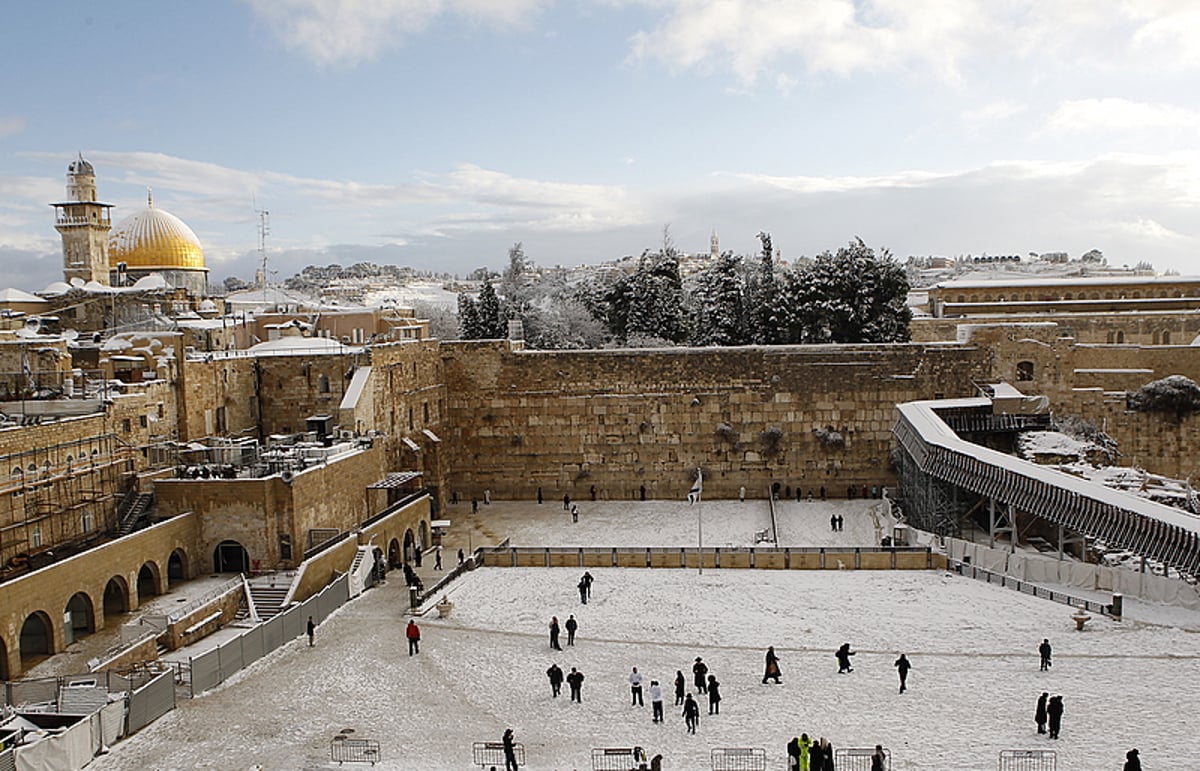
column 84, row 223
column 714, row 245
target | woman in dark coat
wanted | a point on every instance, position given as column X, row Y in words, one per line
column 680, row 686
column 1039, row 714
column 772, row 670
column 1132, row 761
column 700, row 670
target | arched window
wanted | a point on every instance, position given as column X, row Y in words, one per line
column 1111, row 337
column 323, row 384
column 1157, row 337
column 1120, row 336
column 1166, row 337
column 1024, row 371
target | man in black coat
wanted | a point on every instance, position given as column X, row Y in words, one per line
column 1044, row 650
column 510, row 751
column 575, row 680
column 1054, row 710
column 555, row 674
column 700, row 672
column 902, row 666
column 843, row 656
column 571, row 625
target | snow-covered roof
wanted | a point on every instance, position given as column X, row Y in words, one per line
column 1064, row 281
column 922, row 416
column 11, row 295
column 296, row 346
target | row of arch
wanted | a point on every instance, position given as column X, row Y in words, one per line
column 37, row 638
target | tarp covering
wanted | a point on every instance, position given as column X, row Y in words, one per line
column 67, row 751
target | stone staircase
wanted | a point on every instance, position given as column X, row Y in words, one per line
column 133, row 509
column 268, row 601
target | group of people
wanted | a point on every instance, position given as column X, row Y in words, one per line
column 574, row 680
column 805, row 754
column 836, row 522
column 585, row 587
column 571, row 625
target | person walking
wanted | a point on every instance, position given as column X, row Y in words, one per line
column 691, row 713
column 583, row 590
column 771, row 672
column 742, row 494
column 700, row 673
column 841, row 523
column 574, row 512
column 833, row 523
column 539, row 496
column 1044, row 651
column 843, row 656
column 902, row 666
column 714, row 695
column 656, row 702
column 571, row 626
column 1054, row 711
column 1039, row 713
column 555, row 674
column 566, row 502
column 680, row 686
column 487, row 497
column 474, row 505
column 413, row 633
column 312, row 630
column 878, row 759
column 635, row 689
column 575, row 681
column 461, row 556
column 554, row 633
column 437, row 557
column 587, row 580
column 1132, row 761
column 510, row 751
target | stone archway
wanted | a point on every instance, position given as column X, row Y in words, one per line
column 230, row 557
column 37, row 638
column 393, row 554
column 148, row 581
column 177, row 567
column 410, row 547
column 116, row 597
column 79, row 618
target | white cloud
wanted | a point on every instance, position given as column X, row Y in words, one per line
column 350, row 31
column 1088, row 115
column 993, row 112
column 752, row 37
column 11, row 126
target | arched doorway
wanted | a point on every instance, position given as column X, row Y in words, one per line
column 37, row 638
column 176, row 567
column 78, row 618
column 423, row 531
column 394, row 554
column 147, row 581
column 116, row 597
column 410, row 549
column 230, row 557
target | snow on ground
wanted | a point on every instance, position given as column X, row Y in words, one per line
column 971, row 692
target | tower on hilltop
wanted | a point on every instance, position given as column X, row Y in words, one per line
column 84, row 224
column 714, row 245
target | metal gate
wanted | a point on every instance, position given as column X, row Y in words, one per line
column 1028, row 760
column 617, row 758
column 739, row 759
column 492, row 753
column 859, row 759
column 345, row 750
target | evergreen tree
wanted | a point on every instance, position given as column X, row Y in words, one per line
column 718, row 299
column 848, row 297
column 468, row 318
column 656, row 303
column 765, row 298
column 492, row 324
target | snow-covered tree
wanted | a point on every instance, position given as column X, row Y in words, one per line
column 492, row 324
column 468, row 318
column 718, row 302
column 765, row 298
column 851, row 296
column 1176, row 395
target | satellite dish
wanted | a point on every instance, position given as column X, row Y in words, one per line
column 70, row 335
column 77, row 282
column 287, row 477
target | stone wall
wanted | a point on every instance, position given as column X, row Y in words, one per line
column 256, row 512
column 620, row 420
column 1159, row 328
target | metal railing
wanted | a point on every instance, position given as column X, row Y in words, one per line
column 1025, row 587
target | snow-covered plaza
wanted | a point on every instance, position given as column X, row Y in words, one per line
column 971, row 693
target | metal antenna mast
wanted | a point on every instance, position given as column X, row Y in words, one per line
column 264, row 230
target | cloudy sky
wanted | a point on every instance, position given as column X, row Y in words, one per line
column 436, row 133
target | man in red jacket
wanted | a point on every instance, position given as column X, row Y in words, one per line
column 413, row 633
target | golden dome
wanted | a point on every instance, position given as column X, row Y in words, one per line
column 153, row 239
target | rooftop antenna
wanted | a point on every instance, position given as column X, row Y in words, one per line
column 264, row 230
